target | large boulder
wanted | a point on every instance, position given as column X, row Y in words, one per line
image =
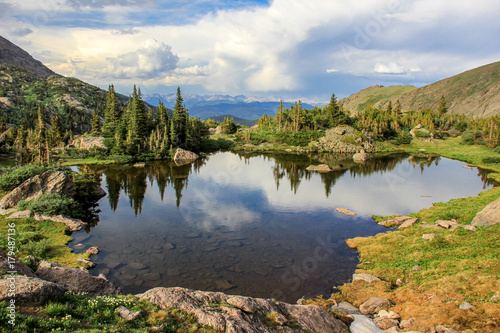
column 322, row 168
column 48, row 182
column 343, row 139
column 88, row 142
column 77, row 280
column 374, row 305
column 246, row 312
column 184, row 156
column 29, row 289
column 361, row 157
column 490, row 215
column 14, row 265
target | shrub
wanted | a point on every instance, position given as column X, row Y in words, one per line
column 302, row 138
column 422, row 134
column 12, row 178
column 471, row 137
column 37, row 248
column 497, row 149
column 51, row 204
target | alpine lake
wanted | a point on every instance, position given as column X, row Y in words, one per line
column 256, row 225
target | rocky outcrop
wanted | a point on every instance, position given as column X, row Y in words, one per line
column 73, row 224
column 88, row 142
column 184, row 156
column 361, row 157
column 490, row 215
column 31, row 189
column 16, row 265
column 227, row 313
column 322, row 168
column 29, row 289
column 77, row 280
column 343, row 139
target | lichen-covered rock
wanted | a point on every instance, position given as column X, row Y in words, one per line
column 361, row 157
column 73, row 224
column 374, row 305
column 209, row 309
column 184, row 156
column 48, row 182
column 364, row 277
column 490, row 215
column 408, row 223
column 76, row 279
column 343, row 139
column 29, row 289
column 88, row 142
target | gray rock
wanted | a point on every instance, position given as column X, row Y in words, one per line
column 429, row 236
column 446, row 224
column 88, row 142
column 93, row 250
column 127, row 314
column 405, row 324
column 246, row 304
column 389, row 315
column 243, row 317
column 347, row 308
column 73, row 224
column 363, row 324
column 365, row 277
column 17, row 265
column 361, row 157
column 76, row 280
column 443, row 329
column 466, row 306
column 490, row 215
column 386, row 323
column 374, row 305
column 22, row 214
column 29, row 289
column 89, row 263
column 31, row 189
column 408, row 223
column 184, row 156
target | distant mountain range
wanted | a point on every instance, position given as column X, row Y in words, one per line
column 208, row 106
column 475, row 93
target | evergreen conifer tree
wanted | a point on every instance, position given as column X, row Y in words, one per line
column 111, row 113
column 96, row 124
column 442, row 109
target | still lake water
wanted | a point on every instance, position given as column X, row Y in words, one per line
column 256, row 225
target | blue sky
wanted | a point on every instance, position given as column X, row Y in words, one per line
column 293, row 49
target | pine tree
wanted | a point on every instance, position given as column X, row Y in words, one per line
column 111, row 113
column 56, row 131
column 389, row 107
column 40, row 135
column 178, row 127
column 397, row 109
column 136, row 122
column 442, row 109
column 96, row 124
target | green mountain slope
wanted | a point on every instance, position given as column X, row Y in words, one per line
column 475, row 93
column 22, row 92
column 11, row 54
column 377, row 96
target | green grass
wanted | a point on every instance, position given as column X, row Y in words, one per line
column 80, row 313
column 475, row 155
column 46, row 240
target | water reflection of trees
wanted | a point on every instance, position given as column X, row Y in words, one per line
column 286, row 168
